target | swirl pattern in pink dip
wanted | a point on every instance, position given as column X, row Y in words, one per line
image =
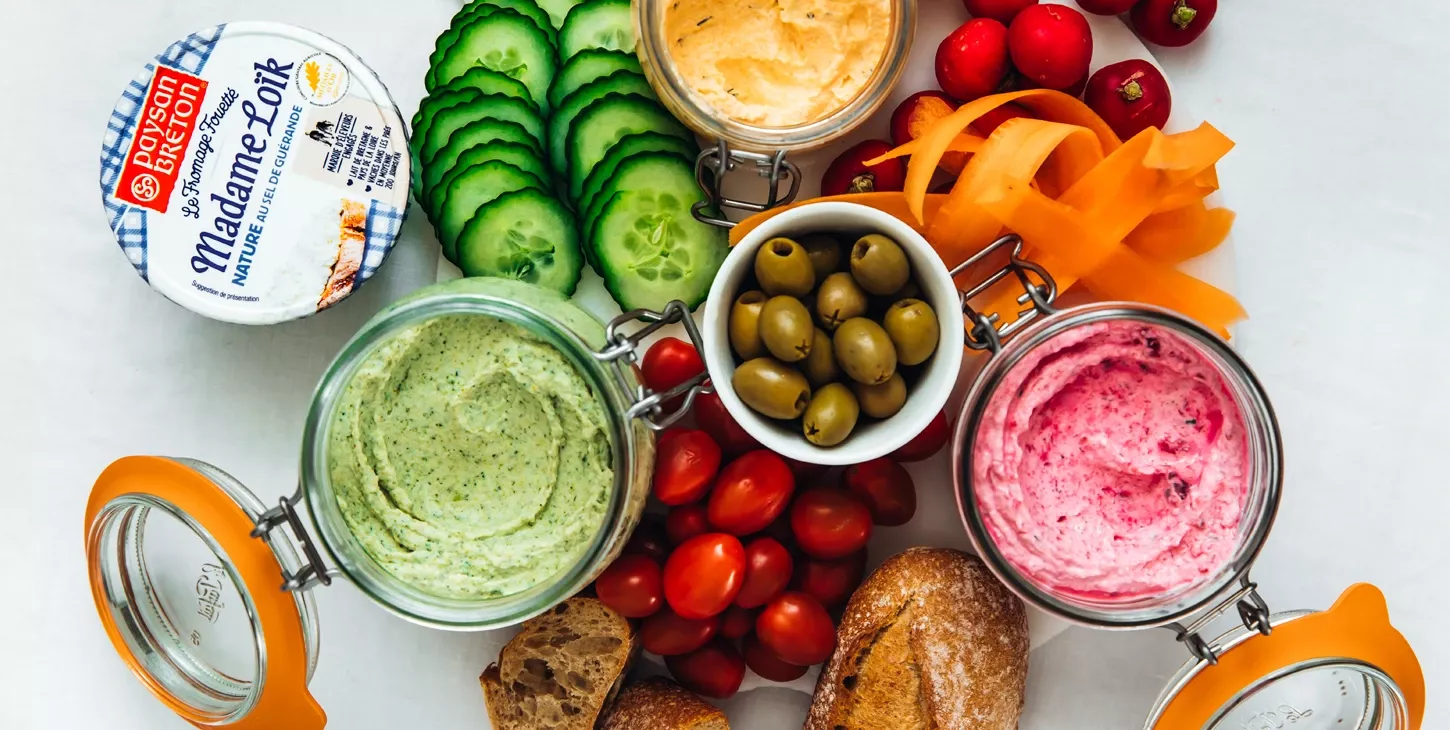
column 1112, row 461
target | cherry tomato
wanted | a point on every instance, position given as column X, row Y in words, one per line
column 751, row 492
column 767, row 572
column 685, row 522
column 668, row 363
column 885, row 487
column 830, row 523
column 926, row 443
column 710, row 413
column 736, row 622
column 667, row 634
column 685, row 466
column 830, row 581
column 704, row 574
column 649, row 539
column 714, row 670
column 796, row 628
column 767, row 665
column 632, row 585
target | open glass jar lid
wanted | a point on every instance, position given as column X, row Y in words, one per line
column 204, row 591
column 1119, row 466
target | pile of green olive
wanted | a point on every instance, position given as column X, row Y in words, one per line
column 825, row 336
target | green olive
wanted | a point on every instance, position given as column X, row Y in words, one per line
column 783, row 267
column 864, row 351
column 786, row 329
column 879, row 265
column 771, row 389
column 745, row 325
column 912, row 326
column 820, row 366
column 882, row 400
column 838, row 300
column 825, row 253
column 831, row 415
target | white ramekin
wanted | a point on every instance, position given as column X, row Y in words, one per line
column 927, row 397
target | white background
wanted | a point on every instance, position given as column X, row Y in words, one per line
column 1341, row 180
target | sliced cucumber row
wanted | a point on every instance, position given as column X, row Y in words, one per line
column 530, row 100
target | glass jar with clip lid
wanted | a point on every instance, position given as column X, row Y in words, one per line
column 1119, row 466
column 759, row 82
column 205, row 591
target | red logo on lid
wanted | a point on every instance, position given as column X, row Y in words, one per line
column 163, row 129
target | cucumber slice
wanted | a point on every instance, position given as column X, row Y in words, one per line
column 472, row 189
column 558, row 10
column 525, row 235
column 603, row 123
column 630, row 145
column 423, row 118
column 586, row 66
column 489, row 82
column 620, row 82
column 483, row 131
column 641, row 171
column 597, row 24
column 487, row 106
column 650, row 249
column 502, row 41
column 519, row 155
column 527, row 8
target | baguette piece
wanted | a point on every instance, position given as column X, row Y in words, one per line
column 659, row 704
column 931, row 641
column 561, row 670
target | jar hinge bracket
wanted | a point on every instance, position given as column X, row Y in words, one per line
column 985, row 334
column 714, row 163
column 314, row 572
column 1253, row 613
column 622, row 351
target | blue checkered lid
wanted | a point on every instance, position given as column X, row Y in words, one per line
column 255, row 172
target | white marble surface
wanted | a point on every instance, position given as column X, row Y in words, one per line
column 1341, row 181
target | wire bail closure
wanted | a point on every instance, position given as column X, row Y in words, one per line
column 1253, row 613
column 315, row 572
column 621, row 351
column 985, row 334
column 719, row 161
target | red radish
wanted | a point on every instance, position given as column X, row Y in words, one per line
column 1051, row 45
column 1173, row 22
column 972, row 61
column 988, row 123
column 1002, row 11
column 1107, row 7
column 850, row 174
column 918, row 112
column 1130, row 96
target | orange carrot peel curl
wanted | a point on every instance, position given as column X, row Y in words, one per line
column 1116, row 216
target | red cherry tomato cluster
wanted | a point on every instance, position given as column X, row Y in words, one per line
column 747, row 564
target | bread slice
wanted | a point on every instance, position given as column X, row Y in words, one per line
column 659, row 704
column 931, row 641
column 561, row 670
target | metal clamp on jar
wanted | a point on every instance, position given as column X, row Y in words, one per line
column 1343, row 668
column 760, row 147
column 205, row 592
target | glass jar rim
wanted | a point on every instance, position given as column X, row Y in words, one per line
column 1266, row 452
column 342, row 546
column 686, row 104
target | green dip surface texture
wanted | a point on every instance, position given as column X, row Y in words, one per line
column 470, row 458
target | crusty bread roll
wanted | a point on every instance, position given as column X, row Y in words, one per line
column 561, row 670
column 931, row 641
column 659, row 704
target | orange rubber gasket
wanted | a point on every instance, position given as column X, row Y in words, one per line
column 285, row 701
column 1357, row 627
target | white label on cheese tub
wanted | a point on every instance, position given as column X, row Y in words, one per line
column 255, row 173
